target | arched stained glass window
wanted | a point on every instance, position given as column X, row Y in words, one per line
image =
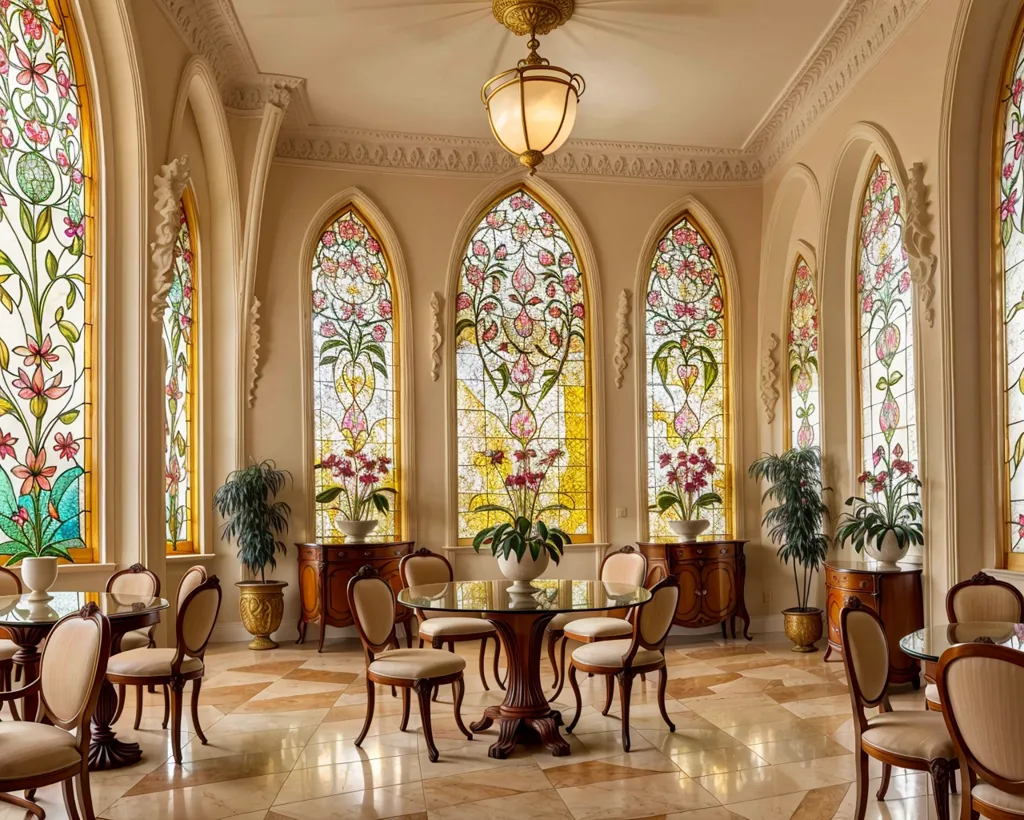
column 181, row 388
column 356, row 370
column 522, row 380
column 1009, row 161
column 804, row 411
column 48, row 199
column 687, row 368
column 888, row 395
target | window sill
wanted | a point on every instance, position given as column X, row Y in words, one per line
column 191, row 556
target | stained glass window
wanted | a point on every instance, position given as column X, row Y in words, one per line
column 181, row 396
column 888, row 396
column 356, row 372
column 804, row 412
column 1011, row 260
column 47, row 198
column 687, row 365
column 522, row 363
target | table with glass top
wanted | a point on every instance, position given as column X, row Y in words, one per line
column 29, row 622
column 520, row 618
column 929, row 643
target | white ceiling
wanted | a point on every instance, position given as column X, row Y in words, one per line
column 678, row 72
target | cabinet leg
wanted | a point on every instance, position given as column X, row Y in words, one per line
column 302, row 631
column 323, row 633
column 732, row 626
column 723, row 630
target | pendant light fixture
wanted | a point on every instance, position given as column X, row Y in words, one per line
column 532, row 108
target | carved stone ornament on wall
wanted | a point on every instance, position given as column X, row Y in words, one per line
column 167, row 188
column 254, row 349
column 770, row 377
column 918, row 238
column 622, row 331
column 436, row 339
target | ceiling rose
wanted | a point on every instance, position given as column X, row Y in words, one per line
column 532, row 16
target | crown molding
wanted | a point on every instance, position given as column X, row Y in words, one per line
column 858, row 35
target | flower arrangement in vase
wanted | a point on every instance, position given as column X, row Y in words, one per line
column 687, row 477
column 358, row 493
column 524, row 535
column 886, row 525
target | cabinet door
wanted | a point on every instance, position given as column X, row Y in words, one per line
column 688, row 609
column 336, row 610
column 309, row 590
column 834, row 605
column 718, row 578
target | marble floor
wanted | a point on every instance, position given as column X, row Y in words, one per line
column 761, row 733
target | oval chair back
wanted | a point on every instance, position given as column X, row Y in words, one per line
column 625, row 566
column 193, row 578
column 654, row 620
column 72, row 667
column 372, row 603
column 865, row 656
column 984, row 598
column 136, row 580
column 197, row 616
column 980, row 688
column 426, row 567
column 10, row 584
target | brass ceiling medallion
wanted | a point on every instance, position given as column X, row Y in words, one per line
column 523, row 17
column 532, row 108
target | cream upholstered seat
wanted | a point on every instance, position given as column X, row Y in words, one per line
column 37, row 754
column 137, row 639
column 372, row 604
column 908, row 739
column 198, row 601
column 980, row 689
column 624, row 566
column 980, row 598
column 424, row 567
column 623, row 660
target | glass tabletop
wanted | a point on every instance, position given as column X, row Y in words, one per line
column 929, row 643
column 552, row 595
column 17, row 610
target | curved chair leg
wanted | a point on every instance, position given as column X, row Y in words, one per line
column 405, row 710
column 27, row 805
column 460, row 690
column 371, row 695
column 625, row 688
column 423, row 687
column 497, row 655
column 85, row 793
column 575, row 684
column 196, row 684
column 68, row 789
column 940, row 788
column 138, row 708
column 862, row 785
column 609, row 694
column 177, row 690
column 167, row 706
column 121, row 689
column 483, row 677
column 662, row 686
column 952, row 781
column 884, row 787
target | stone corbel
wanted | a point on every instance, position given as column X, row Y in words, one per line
column 622, row 330
column 770, row 378
column 254, row 349
column 167, row 188
column 918, row 238
column 436, row 339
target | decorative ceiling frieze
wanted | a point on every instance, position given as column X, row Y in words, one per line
column 858, row 35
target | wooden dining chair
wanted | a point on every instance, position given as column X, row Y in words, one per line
column 909, row 739
column 425, row 567
column 10, row 584
column 55, row 748
column 624, row 566
column 199, row 600
column 980, row 598
column 372, row 604
column 980, row 686
column 625, row 659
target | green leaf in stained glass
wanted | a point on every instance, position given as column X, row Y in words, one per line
column 35, row 177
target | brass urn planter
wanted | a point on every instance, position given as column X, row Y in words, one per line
column 261, row 606
column 803, row 628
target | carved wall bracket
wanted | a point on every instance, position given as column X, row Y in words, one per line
column 436, row 339
column 167, row 188
column 622, row 331
column 254, row 350
column 770, row 377
column 918, row 238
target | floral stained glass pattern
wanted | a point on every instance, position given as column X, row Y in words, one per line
column 356, row 374
column 46, row 200
column 888, row 384
column 1011, row 220
column 180, row 332
column 805, row 415
column 687, row 367
column 521, row 363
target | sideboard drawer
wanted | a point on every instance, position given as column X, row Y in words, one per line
column 853, row 581
column 693, row 552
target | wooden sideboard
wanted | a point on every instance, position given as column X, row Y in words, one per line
column 324, row 573
column 711, row 574
column 892, row 592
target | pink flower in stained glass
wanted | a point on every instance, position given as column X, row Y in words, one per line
column 716, row 303
column 522, row 373
column 523, row 324
column 7, row 442
column 880, row 184
column 889, row 415
column 328, row 329
column 495, row 219
column 555, row 312
column 712, row 329
column 1020, row 525
column 31, row 25
column 545, row 258
column 479, row 248
column 384, row 308
column 805, row 435
column 328, row 239
column 349, row 230
column 63, row 83
column 34, row 472
column 904, row 284
column 867, row 304
column 319, row 299
column 66, row 446
column 20, row 517
column 577, row 311
column 1008, row 207
column 570, row 283
column 463, row 301
column 37, row 132
column 887, row 343
column 490, row 332
column 663, row 270
column 549, row 291
column 566, row 260
column 686, row 422
column 1018, row 144
column 76, row 177
column 521, row 228
column 379, row 333
column 500, row 252
column 31, row 72
column 1008, row 170
column 554, row 338
column 4, row 63
column 172, row 477
column 1018, row 87
column 372, row 245
column 73, row 228
column 522, row 424
column 876, row 456
column 474, row 275
column 704, row 252
column 654, row 298
column 522, row 279
column 661, row 327
column 35, row 353
column 354, row 421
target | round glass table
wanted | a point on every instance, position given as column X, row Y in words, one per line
column 929, row 643
column 520, row 618
column 29, row 622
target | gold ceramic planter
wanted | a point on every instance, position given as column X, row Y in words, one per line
column 803, row 628
column 261, row 606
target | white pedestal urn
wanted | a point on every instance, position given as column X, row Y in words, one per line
column 521, row 571
column 39, row 574
column 889, row 552
column 356, row 532
column 688, row 530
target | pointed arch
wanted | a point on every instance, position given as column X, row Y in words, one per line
column 560, row 387
column 357, row 335
column 801, row 397
column 686, row 237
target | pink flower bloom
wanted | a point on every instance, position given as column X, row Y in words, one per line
column 654, row 298
column 704, row 252
column 327, row 329
column 712, row 330
column 4, row 63
column 34, row 471
column 372, row 245
column 1018, row 87
column 384, row 308
column 479, row 248
column 31, row 72
column 876, row 456
column 349, row 230
column 904, row 284
column 35, row 353
column 577, row 311
column 463, row 302
column 1008, row 207
column 63, row 83
column 545, row 258
column 37, row 132
column 319, row 299
column 76, row 177
column 328, row 239
column 20, row 517
column 30, row 388
column 554, row 338
column 73, row 229
column 501, row 252
column 867, row 304
column 1008, row 170
column 566, row 260
column 570, row 283
column 490, row 333
column 661, row 327
column 66, row 446
column 7, row 442
column 379, row 333
column 716, row 303
column 475, row 275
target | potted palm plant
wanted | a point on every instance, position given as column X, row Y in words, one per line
column 796, row 522
column 886, row 525
column 253, row 519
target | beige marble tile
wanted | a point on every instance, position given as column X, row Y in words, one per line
column 820, row 707
column 212, row 801
column 636, row 797
column 322, row 781
column 781, row 807
column 717, row 813
column 800, row 748
column 821, row 804
column 388, row 801
column 215, row 770
column 691, row 736
column 592, row 746
column 236, row 722
column 536, row 805
column 717, row 761
column 223, row 744
column 766, row 781
column 345, row 751
column 752, row 734
column 474, row 787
